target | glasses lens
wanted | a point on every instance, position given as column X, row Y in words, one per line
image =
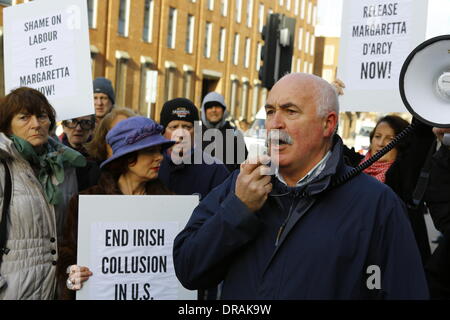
column 85, row 124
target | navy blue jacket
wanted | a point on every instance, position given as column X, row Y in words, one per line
column 329, row 241
column 187, row 179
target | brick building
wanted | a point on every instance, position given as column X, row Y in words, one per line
column 154, row 50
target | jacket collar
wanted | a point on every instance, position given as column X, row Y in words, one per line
column 319, row 183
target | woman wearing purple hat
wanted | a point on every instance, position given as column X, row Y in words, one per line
column 132, row 169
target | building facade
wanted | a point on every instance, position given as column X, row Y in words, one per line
column 155, row 50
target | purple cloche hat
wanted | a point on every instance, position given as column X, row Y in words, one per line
column 134, row 134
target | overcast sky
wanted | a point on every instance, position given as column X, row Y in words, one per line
column 330, row 13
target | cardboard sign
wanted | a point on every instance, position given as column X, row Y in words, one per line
column 46, row 47
column 377, row 36
column 127, row 243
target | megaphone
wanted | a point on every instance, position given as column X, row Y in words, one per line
column 425, row 83
column 425, row 91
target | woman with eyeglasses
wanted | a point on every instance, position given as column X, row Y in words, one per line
column 78, row 132
column 42, row 181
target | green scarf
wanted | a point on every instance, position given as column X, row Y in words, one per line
column 50, row 164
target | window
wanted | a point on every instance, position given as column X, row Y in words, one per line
column 223, row 7
column 313, row 42
column 92, row 13
column 300, row 38
column 244, row 100
column 302, row 10
column 210, row 5
column 296, row 7
column 329, row 55
column 236, row 49
column 288, row 4
column 238, row 10
column 309, row 12
column 249, row 13
column 190, row 34
column 258, row 56
column 247, row 53
column 314, row 17
column 6, row 2
column 223, row 37
column 256, row 90
column 148, row 21
column 307, row 42
column 124, row 12
column 170, row 83
column 148, row 84
column 310, row 70
column 305, row 66
column 121, row 81
column 299, row 65
column 172, row 28
column 208, row 36
column 261, row 17
column 280, row 2
column 233, row 97
column 188, row 87
column 327, row 74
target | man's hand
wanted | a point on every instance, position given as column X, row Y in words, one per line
column 252, row 185
column 439, row 132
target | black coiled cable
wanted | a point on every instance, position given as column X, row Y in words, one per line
column 357, row 170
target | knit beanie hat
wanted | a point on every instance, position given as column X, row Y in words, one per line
column 103, row 85
column 178, row 109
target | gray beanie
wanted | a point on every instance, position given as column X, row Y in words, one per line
column 103, row 85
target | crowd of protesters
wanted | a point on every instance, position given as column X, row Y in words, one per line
column 292, row 234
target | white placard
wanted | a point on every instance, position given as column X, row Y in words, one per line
column 127, row 243
column 46, row 47
column 377, row 36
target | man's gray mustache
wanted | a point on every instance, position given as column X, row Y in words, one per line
column 278, row 137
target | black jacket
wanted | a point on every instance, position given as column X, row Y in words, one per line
column 403, row 176
column 438, row 200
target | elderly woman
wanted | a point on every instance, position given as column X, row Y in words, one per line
column 43, row 179
column 137, row 146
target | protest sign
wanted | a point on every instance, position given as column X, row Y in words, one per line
column 127, row 243
column 377, row 36
column 46, row 47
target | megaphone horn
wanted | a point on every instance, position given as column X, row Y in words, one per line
column 425, row 82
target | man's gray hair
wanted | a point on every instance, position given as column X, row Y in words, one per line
column 327, row 98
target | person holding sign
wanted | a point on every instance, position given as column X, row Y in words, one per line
column 137, row 146
column 295, row 235
column 42, row 180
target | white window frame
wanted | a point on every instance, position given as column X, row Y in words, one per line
column 190, row 34
column 222, row 43
column 247, row 53
column 224, row 7
column 237, row 39
column 211, row 5
column 261, row 16
column 249, row 13
column 238, row 10
column 127, row 18
column 208, row 39
column 149, row 34
column 172, row 28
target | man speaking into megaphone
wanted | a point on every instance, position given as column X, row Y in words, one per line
column 297, row 235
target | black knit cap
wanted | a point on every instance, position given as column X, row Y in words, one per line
column 178, row 109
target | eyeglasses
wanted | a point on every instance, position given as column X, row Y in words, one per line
column 84, row 124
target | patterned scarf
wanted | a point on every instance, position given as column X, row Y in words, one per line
column 378, row 169
column 50, row 164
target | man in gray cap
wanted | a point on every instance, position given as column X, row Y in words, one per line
column 104, row 98
column 214, row 124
